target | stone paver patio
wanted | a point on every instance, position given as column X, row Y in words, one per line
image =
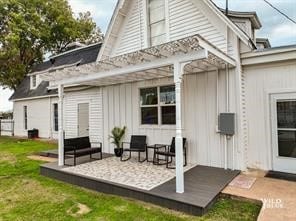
column 278, row 198
column 145, row 176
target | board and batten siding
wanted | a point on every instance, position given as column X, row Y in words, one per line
column 262, row 80
column 94, row 98
column 121, row 107
column 40, row 116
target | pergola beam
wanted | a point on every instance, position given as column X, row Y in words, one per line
column 162, row 62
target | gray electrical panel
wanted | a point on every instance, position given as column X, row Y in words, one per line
column 227, row 123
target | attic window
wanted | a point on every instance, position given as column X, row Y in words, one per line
column 34, row 81
column 157, row 22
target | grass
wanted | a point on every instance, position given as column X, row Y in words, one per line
column 25, row 195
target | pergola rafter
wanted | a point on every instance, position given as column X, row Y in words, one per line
column 172, row 49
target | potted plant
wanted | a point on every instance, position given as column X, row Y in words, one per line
column 117, row 135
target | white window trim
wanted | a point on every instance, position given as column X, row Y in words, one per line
column 167, row 19
column 159, row 106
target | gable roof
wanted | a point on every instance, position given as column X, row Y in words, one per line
column 249, row 15
column 23, row 91
column 123, row 5
column 240, row 33
column 81, row 56
column 263, row 41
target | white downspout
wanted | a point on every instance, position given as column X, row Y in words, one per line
column 217, row 100
column 227, row 111
column 61, row 125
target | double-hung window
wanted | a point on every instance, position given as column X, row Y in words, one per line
column 33, row 82
column 157, row 21
column 55, row 117
column 158, row 105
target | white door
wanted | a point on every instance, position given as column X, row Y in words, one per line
column 283, row 109
column 83, row 120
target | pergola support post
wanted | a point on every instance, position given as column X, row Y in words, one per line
column 178, row 75
column 61, row 126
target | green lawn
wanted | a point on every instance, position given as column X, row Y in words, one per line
column 25, row 195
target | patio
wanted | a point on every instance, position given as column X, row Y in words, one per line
column 146, row 182
column 144, row 176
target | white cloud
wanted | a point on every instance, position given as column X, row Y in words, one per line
column 100, row 10
column 4, row 96
column 283, row 33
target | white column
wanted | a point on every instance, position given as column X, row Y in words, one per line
column 178, row 73
column 61, row 126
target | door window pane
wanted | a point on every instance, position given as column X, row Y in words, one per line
column 168, row 115
column 286, row 114
column 287, row 143
column 149, row 96
column 167, row 95
column 149, row 115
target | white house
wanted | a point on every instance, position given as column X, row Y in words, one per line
column 170, row 68
column 35, row 105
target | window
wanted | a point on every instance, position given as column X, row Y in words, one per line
column 157, row 22
column 158, row 105
column 34, row 81
column 25, row 118
column 55, row 117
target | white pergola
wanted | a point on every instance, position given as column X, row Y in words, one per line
column 174, row 59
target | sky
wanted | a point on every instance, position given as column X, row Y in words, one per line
column 277, row 28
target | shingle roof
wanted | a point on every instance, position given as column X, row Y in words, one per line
column 84, row 55
column 23, row 90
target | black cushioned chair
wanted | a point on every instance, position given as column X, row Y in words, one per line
column 138, row 144
column 81, row 146
column 169, row 152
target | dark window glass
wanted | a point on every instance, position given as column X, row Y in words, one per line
column 287, row 143
column 56, row 117
column 25, row 117
column 167, row 95
column 149, row 96
column 286, row 114
column 149, row 115
column 168, row 115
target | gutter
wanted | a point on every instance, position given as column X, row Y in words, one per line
column 268, row 56
column 34, row 98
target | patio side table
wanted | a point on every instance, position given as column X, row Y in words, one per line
column 154, row 147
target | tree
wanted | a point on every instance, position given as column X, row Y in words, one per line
column 31, row 28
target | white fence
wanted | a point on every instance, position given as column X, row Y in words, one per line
column 6, row 127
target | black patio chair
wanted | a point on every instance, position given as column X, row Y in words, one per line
column 138, row 144
column 169, row 152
